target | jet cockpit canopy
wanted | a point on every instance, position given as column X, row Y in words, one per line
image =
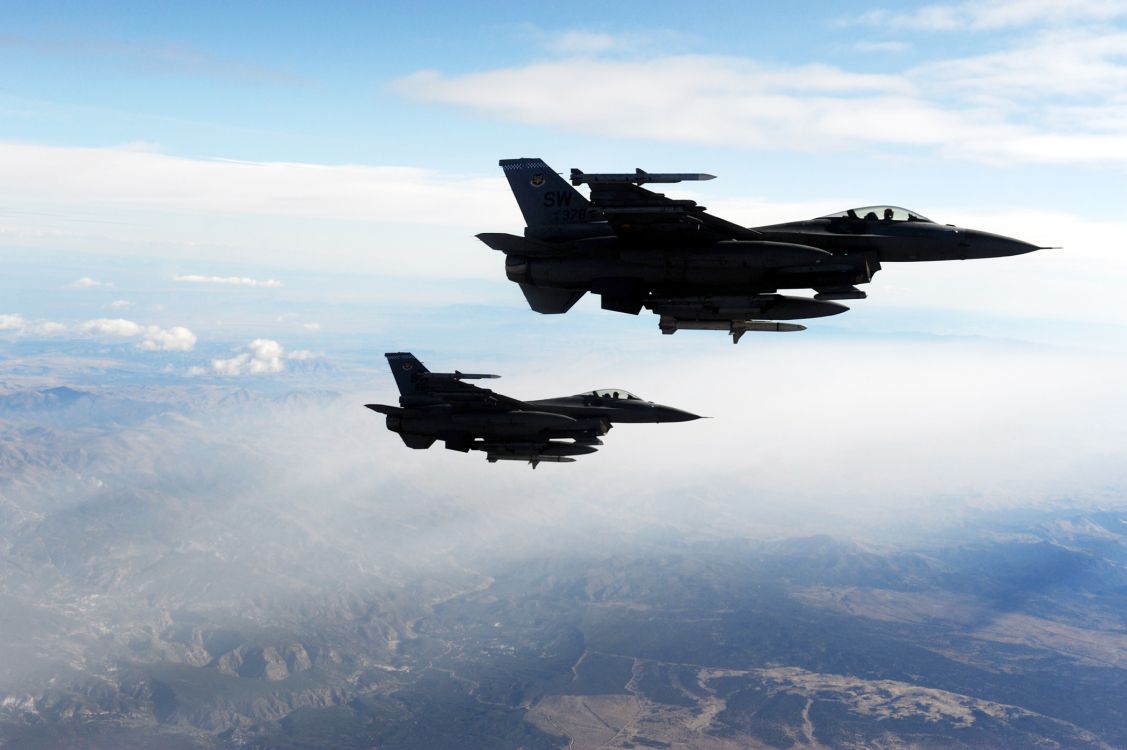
column 612, row 393
column 879, row 213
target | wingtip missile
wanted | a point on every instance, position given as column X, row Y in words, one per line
column 639, row 177
column 459, row 375
column 474, row 375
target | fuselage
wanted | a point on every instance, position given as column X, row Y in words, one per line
column 578, row 417
column 730, row 265
column 613, row 405
column 894, row 240
column 449, row 424
column 831, row 251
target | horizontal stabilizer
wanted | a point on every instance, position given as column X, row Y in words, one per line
column 382, row 409
column 511, row 244
column 550, row 301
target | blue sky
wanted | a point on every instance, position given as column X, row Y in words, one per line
column 296, row 82
column 163, row 164
column 940, row 105
column 957, row 110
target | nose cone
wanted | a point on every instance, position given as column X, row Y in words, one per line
column 669, row 414
column 987, row 245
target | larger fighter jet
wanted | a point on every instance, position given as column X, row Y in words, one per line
column 636, row 248
column 440, row 406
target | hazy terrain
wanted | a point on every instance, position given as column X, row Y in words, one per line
column 200, row 564
column 905, row 527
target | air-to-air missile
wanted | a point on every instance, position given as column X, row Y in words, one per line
column 639, row 177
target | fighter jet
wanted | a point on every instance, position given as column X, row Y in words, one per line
column 441, row 406
column 636, row 248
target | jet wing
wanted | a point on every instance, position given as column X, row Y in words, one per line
column 643, row 216
column 465, row 397
column 446, row 390
column 503, row 403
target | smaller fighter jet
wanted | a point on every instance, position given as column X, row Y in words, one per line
column 441, row 406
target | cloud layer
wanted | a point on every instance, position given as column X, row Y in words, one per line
column 19, row 325
column 1002, row 14
column 98, row 178
column 1057, row 95
column 150, row 337
column 86, row 282
column 406, row 220
column 231, row 280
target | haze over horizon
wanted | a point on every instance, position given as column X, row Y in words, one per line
column 216, row 218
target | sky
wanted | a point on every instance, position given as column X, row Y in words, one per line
column 227, row 192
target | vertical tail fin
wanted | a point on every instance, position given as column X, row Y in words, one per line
column 544, row 197
column 406, row 369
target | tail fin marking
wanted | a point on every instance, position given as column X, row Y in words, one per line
column 407, row 370
column 545, row 198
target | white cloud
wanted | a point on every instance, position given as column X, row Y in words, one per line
column 18, row 325
column 1081, row 66
column 701, row 99
column 86, row 282
column 882, row 47
column 1001, row 14
column 1057, row 97
column 11, row 322
column 300, row 355
column 153, row 338
column 175, row 339
column 96, row 178
column 293, row 318
column 261, row 356
column 110, row 327
column 120, row 304
column 235, row 280
column 350, row 218
column 583, row 42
